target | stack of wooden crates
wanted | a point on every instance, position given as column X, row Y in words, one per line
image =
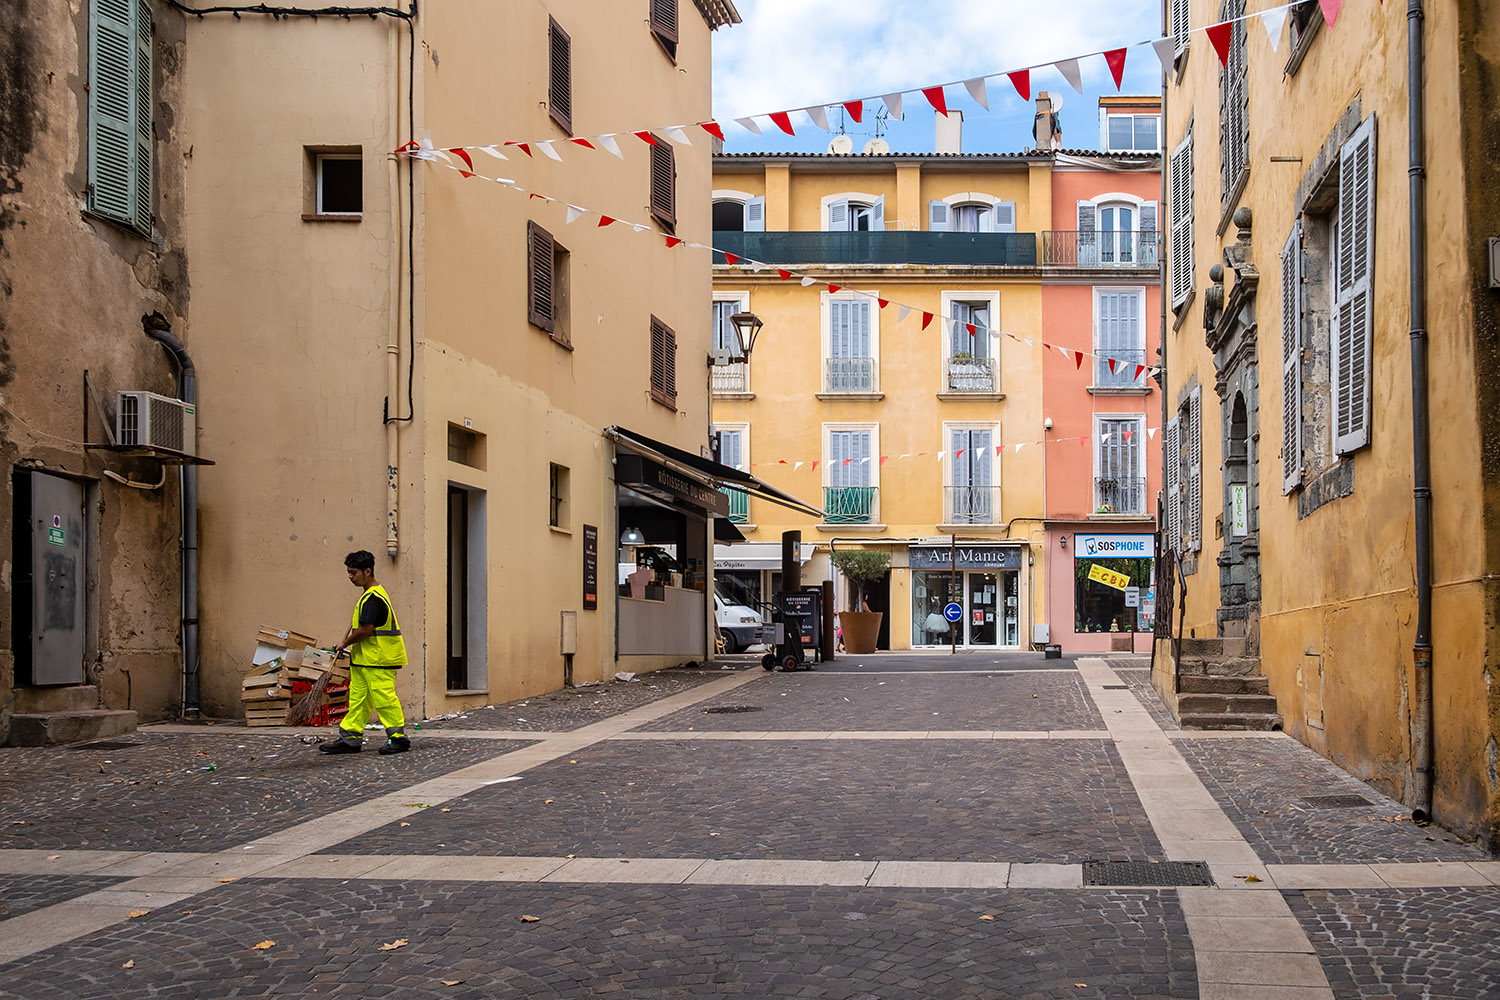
column 286, row 665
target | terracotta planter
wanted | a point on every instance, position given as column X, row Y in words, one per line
column 861, row 630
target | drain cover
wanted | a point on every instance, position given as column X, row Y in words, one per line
column 117, row 745
column 1337, row 801
column 1117, row 687
column 730, row 709
column 1165, row 873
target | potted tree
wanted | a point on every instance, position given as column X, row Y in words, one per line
column 861, row 567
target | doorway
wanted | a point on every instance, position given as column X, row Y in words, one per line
column 467, row 618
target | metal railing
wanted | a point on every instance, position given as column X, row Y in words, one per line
column 914, row 247
column 732, row 378
column 1119, row 496
column 972, row 375
column 849, row 504
column 972, row 504
column 849, row 375
column 739, row 505
column 1072, row 248
column 1126, row 362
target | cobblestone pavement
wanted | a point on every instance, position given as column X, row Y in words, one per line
column 1139, row 679
column 1264, row 787
column 941, row 660
column 819, row 847
column 1407, row 944
column 811, row 702
column 936, row 800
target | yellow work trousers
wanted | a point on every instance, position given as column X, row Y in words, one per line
column 372, row 688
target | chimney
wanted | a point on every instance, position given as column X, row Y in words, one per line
column 948, row 132
column 1047, row 129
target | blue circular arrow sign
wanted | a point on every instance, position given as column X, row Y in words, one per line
column 952, row 612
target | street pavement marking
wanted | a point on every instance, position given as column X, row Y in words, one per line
column 1251, row 938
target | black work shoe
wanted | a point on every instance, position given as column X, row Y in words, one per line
column 339, row 746
column 398, row 744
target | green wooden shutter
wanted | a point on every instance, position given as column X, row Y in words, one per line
column 120, row 111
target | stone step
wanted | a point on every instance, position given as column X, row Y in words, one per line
column 67, row 698
column 1209, row 684
column 1220, row 647
column 41, row 729
column 1240, row 666
column 1231, row 720
column 1233, row 704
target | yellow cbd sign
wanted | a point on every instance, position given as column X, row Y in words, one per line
column 1108, row 577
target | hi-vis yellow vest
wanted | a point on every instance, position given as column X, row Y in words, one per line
column 384, row 648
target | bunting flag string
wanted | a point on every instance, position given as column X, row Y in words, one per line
column 1273, row 19
column 949, row 324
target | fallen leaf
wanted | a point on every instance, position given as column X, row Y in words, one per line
column 404, row 823
column 447, row 810
column 418, row 805
column 18, row 822
column 228, row 880
column 136, row 913
column 129, row 965
column 263, row 945
column 1080, row 985
column 53, row 857
column 187, row 913
column 1253, row 878
column 547, row 803
column 713, row 834
column 572, row 762
column 987, row 917
column 398, row 943
column 450, row 982
column 527, row 918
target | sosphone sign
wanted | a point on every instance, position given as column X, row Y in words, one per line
column 1114, row 546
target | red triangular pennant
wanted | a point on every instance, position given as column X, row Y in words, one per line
column 1220, row 35
column 1116, row 60
column 785, row 275
column 731, row 258
column 1127, row 436
column 1138, row 370
column 970, row 327
column 856, row 109
column 463, row 154
column 712, row 128
column 959, row 452
column 1078, row 359
column 646, row 137
column 581, row 142
column 926, row 318
column 934, row 97
column 1022, row 80
column 604, row 220
column 783, row 121
column 1330, row 10
column 834, row 288
column 524, row 148
column 1112, row 364
column 883, row 302
column 672, row 241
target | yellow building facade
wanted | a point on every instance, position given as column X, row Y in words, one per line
column 1297, row 465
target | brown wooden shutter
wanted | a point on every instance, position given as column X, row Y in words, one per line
column 664, row 185
column 560, row 85
column 664, row 24
column 540, row 305
column 663, row 363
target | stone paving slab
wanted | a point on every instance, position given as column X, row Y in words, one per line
column 1139, row 679
column 574, row 708
column 633, row 942
column 823, row 800
column 938, row 661
column 23, row 893
column 1405, row 944
column 829, row 701
column 160, row 795
column 1262, row 785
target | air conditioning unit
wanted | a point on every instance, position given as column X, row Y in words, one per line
column 146, row 420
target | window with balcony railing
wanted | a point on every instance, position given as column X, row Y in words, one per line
column 731, row 378
column 972, row 375
column 970, row 493
column 849, row 504
column 970, row 368
column 971, row 504
column 1119, row 479
column 1120, row 496
column 739, row 505
column 849, row 496
column 850, row 365
column 1072, row 248
column 1119, row 336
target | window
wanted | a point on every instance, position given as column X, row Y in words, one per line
column 664, row 185
column 664, row 25
column 733, row 451
column 1117, row 231
column 1306, row 18
column 854, row 213
column 663, row 364
column 971, row 212
column 1120, row 464
column 735, row 211
column 1172, row 488
column 1119, row 337
column 560, row 76
column 1180, row 187
column 1131, row 133
column 465, row 447
column 339, row 184
column 734, row 377
column 972, row 496
column 1234, row 122
column 547, row 286
column 558, row 487
column 851, row 476
column 1291, row 361
column 120, row 133
column 971, row 360
column 850, row 359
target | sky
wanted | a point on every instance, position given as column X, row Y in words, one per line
column 795, row 53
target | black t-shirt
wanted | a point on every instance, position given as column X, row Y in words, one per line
column 373, row 611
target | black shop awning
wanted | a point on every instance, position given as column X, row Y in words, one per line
column 719, row 475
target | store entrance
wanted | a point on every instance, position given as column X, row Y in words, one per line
column 990, row 602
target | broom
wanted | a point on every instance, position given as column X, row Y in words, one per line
column 314, row 701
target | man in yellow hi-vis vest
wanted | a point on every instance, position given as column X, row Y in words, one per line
column 376, row 652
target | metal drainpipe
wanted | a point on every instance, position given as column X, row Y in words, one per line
column 159, row 330
column 1422, row 732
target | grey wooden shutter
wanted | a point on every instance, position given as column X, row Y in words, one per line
column 958, row 335
column 1003, row 217
column 877, row 215
column 859, row 450
column 664, row 23
column 1172, row 500
column 1180, row 181
column 1147, row 240
column 664, row 186
column 838, row 472
column 560, row 77
column 937, row 216
column 1233, row 101
column 838, row 217
column 839, row 322
column 755, row 214
column 959, row 465
column 1291, row 361
column 120, row 132
column 1193, row 456
column 541, row 308
column 1353, row 269
column 1088, row 237
column 144, row 136
column 979, row 453
column 731, row 448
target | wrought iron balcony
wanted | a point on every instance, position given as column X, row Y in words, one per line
column 1072, row 248
column 973, row 375
column 972, row 504
column 739, row 505
column 849, row 504
column 1126, row 362
column 849, row 375
column 732, row 378
column 1119, row 496
column 911, row 247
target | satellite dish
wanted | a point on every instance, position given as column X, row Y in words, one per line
column 841, row 144
column 1057, row 101
column 875, row 147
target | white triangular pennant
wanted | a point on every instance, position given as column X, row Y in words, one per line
column 797, row 466
column 1027, row 341
column 677, row 135
column 893, row 102
column 1150, row 433
column 574, row 212
column 808, row 281
column 493, row 151
column 638, row 227
column 1064, row 352
column 904, row 312
column 1274, row 20
column 940, row 455
column 548, row 151
column 1166, row 51
column 1104, row 439
column 977, row 91
column 1019, row 446
column 819, row 116
column 1070, row 72
column 748, row 124
column 608, row 142
column 865, row 460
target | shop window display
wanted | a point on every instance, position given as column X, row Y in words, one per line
column 1099, row 589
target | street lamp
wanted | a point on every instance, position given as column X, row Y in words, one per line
column 746, row 326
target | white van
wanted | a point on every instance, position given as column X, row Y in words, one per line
column 738, row 624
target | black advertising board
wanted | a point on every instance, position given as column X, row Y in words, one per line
column 808, row 605
column 590, row 567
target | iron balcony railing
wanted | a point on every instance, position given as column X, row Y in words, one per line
column 739, row 506
column 1119, row 496
column 917, row 247
column 1126, row 362
column 1072, row 248
column 849, row 504
column 972, row 504
column 972, row 375
column 732, row 378
column 849, row 375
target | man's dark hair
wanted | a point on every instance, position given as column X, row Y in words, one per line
column 360, row 560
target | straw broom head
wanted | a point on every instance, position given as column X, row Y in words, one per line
column 311, row 703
